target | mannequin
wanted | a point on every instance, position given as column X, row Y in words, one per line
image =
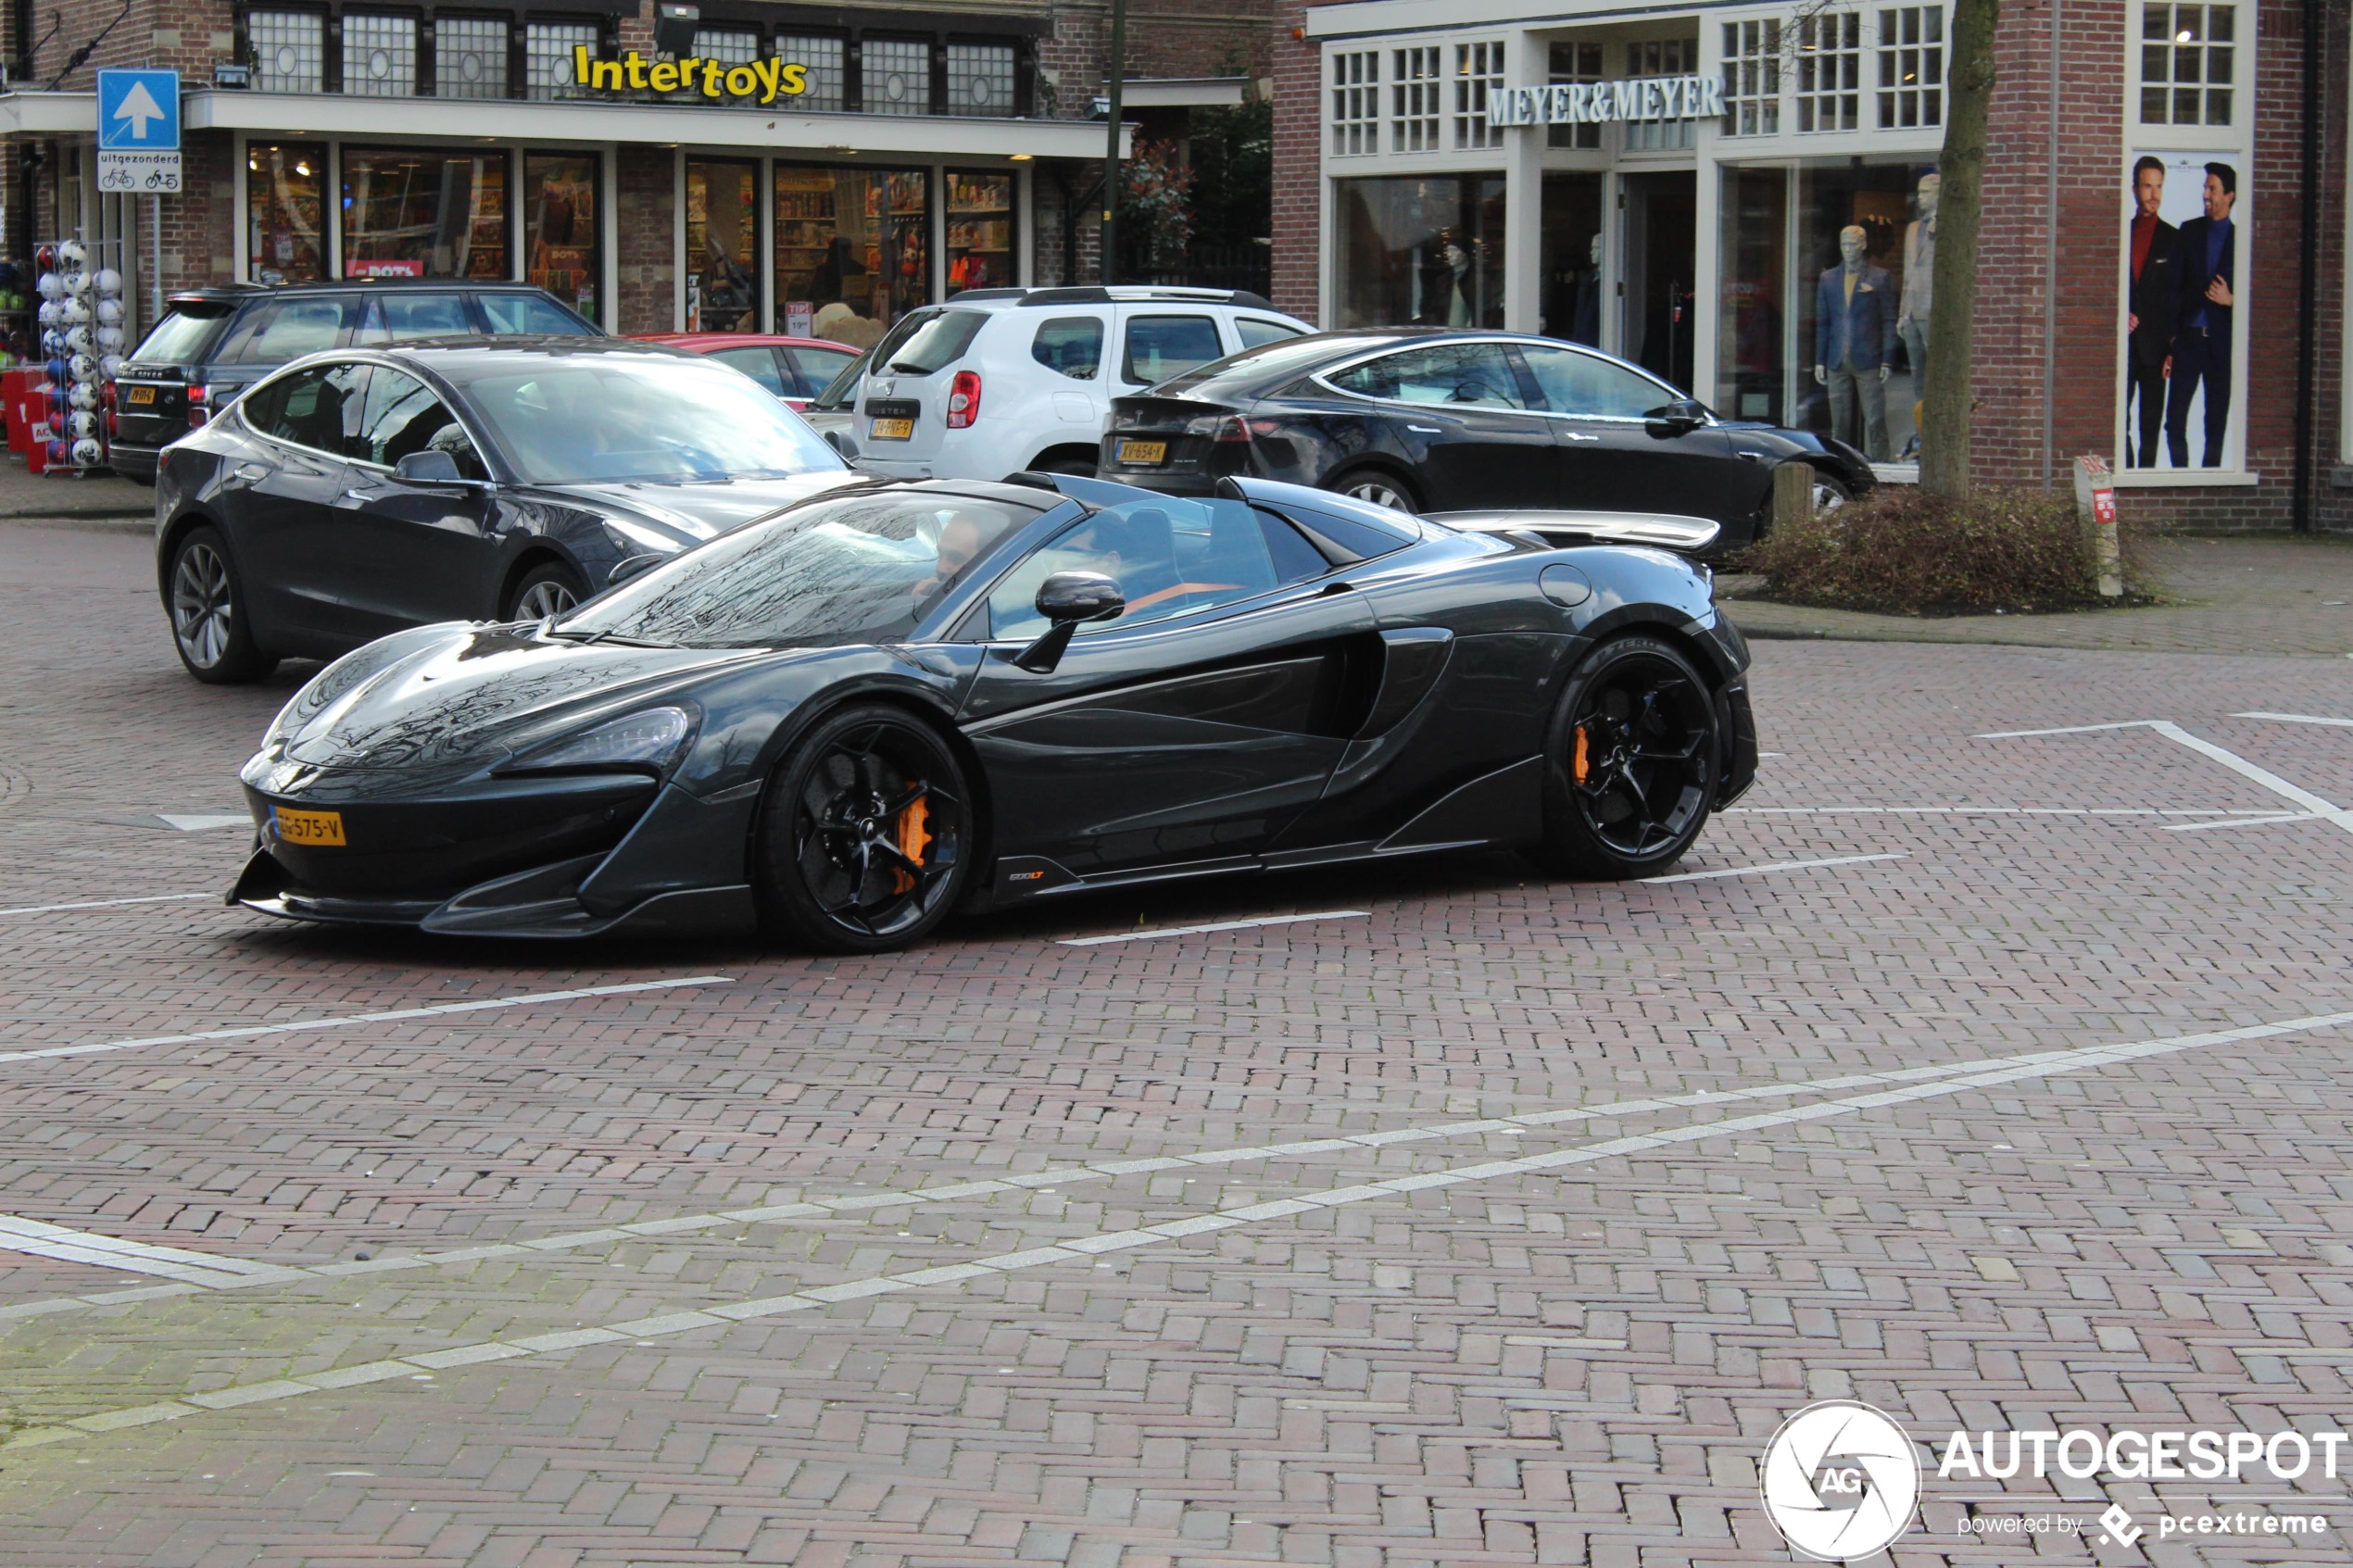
column 1854, row 342
column 1919, row 282
column 1458, row 310
column 1586, row 326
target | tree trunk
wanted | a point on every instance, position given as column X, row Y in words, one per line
column 1946, row 403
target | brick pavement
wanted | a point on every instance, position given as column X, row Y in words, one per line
column 1576, row 1365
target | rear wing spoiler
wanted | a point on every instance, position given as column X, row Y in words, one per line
column 1662, row 531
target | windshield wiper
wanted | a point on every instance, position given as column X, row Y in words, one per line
column 608, row 636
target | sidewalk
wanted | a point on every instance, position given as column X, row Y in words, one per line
column 41, row 498
column 2274, row 595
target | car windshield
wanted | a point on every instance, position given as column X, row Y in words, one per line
column 184, row 333
column 842, row 391
column 860, row 568
column 604, row 419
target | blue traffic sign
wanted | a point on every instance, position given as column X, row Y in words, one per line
column 139, row 111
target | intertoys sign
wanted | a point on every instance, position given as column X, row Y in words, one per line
column 760, row 81
column 1594, row 103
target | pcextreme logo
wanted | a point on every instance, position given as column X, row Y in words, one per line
column 1841, row 1481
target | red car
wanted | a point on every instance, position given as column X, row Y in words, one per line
column 795, row 369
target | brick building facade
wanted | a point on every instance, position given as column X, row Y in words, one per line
column 932, row 149
column 1715, row 218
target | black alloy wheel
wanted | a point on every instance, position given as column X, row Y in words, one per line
column 865, row 833
column 208, row 623
column 1633, row 767
column 549, row 588
column 1380, row 487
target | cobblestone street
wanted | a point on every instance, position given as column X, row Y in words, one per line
column 1995, row 1079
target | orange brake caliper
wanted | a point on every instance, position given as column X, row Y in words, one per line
column 915, row 840
column 1578, row 765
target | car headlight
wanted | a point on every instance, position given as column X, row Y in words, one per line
column 646, row 741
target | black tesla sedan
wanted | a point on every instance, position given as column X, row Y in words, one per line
column 357, row 492
column 1438, row 421
column 897, row 698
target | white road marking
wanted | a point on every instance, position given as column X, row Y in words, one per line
column 394, row 1015
column 2265, row 820
column 1773, row 866
column 108, row 903
column 44, row 1240
column 203, row 822
column 2325, row 810
column 1988, row 1075
column 1986, row 811
column 1217, row 926
column 2298, row 719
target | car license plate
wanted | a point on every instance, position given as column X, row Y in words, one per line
column 137, row 395
column 1144, row 451
column 894, row 430
column 310, row 830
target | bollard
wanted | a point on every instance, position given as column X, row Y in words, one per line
column 1792, row 494
column 2095, row 503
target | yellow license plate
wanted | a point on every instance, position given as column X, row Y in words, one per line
column 1144, row 451
column 138, row 394
column 894, row 430
column 310, row 830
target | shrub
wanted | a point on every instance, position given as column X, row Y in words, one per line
column 1899, row 548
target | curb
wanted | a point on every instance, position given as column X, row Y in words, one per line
column 113, row 520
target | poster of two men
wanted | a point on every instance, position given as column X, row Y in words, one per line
column 2181, row 302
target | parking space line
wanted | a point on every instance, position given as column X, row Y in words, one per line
column 394, row 1015
column 2326, row 811
column 1214, row 925
column 2001, row 1070
column 2264, row 821
column 1986, row 812
column 1771, row 866
column 2298, row 719
column 107, row 903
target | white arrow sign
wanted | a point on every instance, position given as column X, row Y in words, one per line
column 139, row 106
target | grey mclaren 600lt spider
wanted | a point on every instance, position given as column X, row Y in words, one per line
column 890, row 701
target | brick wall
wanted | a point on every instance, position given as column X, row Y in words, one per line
column 646, row 181
column 1298, row 72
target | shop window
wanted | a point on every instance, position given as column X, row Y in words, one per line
column 1660, row 57
column 980, row 78
column 822, row 55
column 470, row 56
column 1830, row 72
column 1755, row 376
column 1577, row 63
column 1070, row 345
column 897, row 72
column 283, row 240
column 853, row 250
column 1911, row 67
column 379, row 56
column 289, row 51
column 1416, row 82
column 1478, row 70
column 728, row 45
column 1424, row 251
column 980, row 232
column 2187, row 63
column 1753, row 78
column 414, row 212
column 559, row 237
column 548, row 50
column 722, row 266
column 1571, row 257
column 1356, row 103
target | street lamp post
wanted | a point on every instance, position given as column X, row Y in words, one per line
column 1117, row 69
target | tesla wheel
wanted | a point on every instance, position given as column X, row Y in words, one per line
column 1631, row 766
column 865, row 833
column 549, row 588
column 208, row 623
column 1380, row 487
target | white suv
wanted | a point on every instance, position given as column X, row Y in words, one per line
column 998, row 381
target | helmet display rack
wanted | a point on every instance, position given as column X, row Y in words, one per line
column 79, row 319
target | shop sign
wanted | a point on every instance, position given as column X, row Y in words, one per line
column 1593, row 103
column 389, row 266
column 760, row 82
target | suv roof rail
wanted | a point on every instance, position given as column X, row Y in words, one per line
column 1096, row 294
column 1006, row 293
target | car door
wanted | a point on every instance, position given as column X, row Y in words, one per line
column 1615, row 458
column 1459, row 411
column 408, row 555
column 284, row 495
column 1194, row 727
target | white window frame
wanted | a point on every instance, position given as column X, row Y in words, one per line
column 1478, row 70
column 1836, row 107
column 1417, row 98
column 1921, row 90
column 1355, row 83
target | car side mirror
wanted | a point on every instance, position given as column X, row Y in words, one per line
column 430, row 466
column 1068, row 599
column 632, row 567
column 1678, row 417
